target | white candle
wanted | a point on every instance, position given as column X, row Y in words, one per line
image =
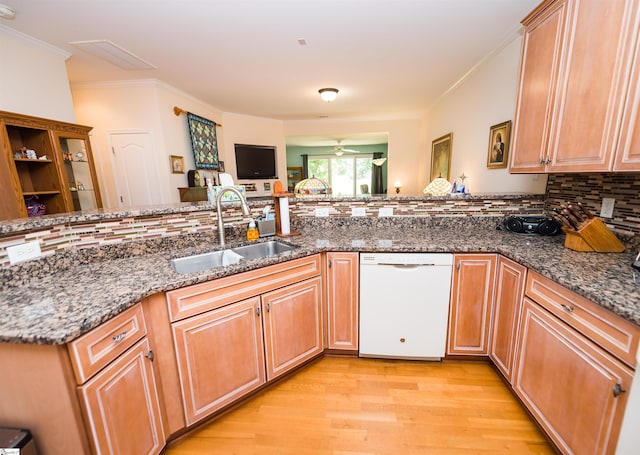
column 285, row 227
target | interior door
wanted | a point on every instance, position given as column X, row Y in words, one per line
column 134, row 169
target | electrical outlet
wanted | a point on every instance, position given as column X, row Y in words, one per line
column 358, row 211
column 24, row 252
column 607, row 207
column 322, row 212
column 385, row 211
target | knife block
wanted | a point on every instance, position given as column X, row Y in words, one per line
column 594, row 235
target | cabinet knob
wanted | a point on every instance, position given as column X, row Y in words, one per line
column 258, row 311
column 618, row 389
column 149, row 355
column 267, row 307
column 329, row 264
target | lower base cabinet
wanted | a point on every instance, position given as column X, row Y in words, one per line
column 510, row 282
column 208, row 347
column 292, row 319
column 121, row 405
column 472, row 293
column 573, row 388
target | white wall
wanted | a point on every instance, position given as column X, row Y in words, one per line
column 486, row 98
column 404, row 147
column 245, row 129
column 33, row 77
column 140, row 106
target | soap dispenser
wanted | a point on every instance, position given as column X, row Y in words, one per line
column 252, row 231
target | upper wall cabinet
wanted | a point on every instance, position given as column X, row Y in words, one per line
column 48, row 167
column 578, row 98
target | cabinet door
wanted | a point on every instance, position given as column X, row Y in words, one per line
column 572, row 387
column 541, row 52
column 510, row 281
column 471, row 300
column 628, row 155
column 220, row 357
column 292, row 325
column 342, row 300
column 593, row 79
column 121, row 405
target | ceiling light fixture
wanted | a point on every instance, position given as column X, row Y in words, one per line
column 6, row 12
column 328, row 94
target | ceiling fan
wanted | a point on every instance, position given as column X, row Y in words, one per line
column 340, row 150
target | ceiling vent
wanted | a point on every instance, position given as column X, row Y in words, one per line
column 112, row 53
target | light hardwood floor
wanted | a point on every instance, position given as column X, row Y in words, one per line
column 349, row 406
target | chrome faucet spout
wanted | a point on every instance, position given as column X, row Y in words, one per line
column 243, row 202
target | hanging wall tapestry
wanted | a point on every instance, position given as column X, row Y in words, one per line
column 203, row 142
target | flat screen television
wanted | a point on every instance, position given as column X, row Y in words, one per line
column 255, row 162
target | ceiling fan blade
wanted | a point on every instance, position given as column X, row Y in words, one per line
column 351, row 151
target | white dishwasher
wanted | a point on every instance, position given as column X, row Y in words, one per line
column 404, row 304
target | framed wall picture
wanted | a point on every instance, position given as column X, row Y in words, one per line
column 177, row 164
column 220, row 166
column 499, row 137
column 441, row 157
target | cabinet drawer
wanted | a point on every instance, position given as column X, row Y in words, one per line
column 213, row 294
column 610, row 331
column 91, row 352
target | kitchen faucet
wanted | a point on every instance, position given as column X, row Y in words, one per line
column 243, row 201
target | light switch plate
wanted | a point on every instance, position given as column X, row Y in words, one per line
column 24, row 252
column 385, row 211
column 358, row 211
column 322, row 212
column 607, row 207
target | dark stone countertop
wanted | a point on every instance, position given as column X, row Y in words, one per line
column 57, row 299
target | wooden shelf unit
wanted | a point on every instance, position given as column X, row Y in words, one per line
column 46, row 180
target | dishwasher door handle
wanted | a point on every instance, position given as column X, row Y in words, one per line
column 405, row 266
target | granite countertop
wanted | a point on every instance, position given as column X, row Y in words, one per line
column 57, row 300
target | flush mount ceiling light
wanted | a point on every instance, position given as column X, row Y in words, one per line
column 6, row 12
column 328, row 94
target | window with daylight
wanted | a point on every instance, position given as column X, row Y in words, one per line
column 345, row 174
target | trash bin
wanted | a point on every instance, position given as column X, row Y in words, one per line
column 14, row 438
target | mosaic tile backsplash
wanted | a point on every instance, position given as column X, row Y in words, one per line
column 77, row 233
column 589, row 189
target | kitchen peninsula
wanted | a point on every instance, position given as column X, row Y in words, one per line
column 74, row 291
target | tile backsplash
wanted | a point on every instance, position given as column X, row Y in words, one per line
column 589, row 189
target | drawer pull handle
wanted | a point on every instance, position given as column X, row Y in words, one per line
column 618, row 389
column 569, row 308
column 258, row 311
column 119, row 337
column 149, row 355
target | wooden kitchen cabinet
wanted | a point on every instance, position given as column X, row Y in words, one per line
column 292, row 318
column 118, row 390
column 510, row 282
column 342, row 300
column 220, row 357
column 121, row 405
column 575, row 390
column 232, row 334
column 573, row 87
column 472, row 294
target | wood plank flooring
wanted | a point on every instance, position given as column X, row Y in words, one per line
column 349, row 406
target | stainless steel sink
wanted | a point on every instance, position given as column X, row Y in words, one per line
column 205, row 261
column 263, row 250
column 229, row 256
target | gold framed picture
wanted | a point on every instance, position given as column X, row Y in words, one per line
column 441, row 157
column 499, row 137
column 177, row 164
